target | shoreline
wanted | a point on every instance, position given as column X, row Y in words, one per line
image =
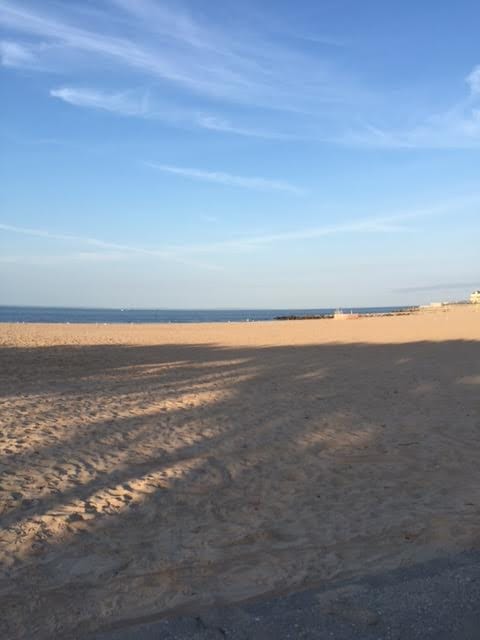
column 47, row 315
column 336, row 315
column 282, row 329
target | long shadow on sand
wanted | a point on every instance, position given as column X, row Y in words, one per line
column 147, row 479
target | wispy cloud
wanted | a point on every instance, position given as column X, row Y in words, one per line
column 15, row 54
column 247, row 242
column 163, row 254
column 173, row 24
column 141, row 104
column 20, row 139
column 35, row 56
column 456, row 127
column 393, row 223
column 41, row 233
column 175, row 47
column 443, row 286
column 473, row 80
column 90, row 42
column 124, row 103
column 182, row 253
column 224, row 75
column 214, row 123
column 80, row 256
column 218, row 177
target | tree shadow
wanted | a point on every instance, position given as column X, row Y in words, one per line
column 146, row 479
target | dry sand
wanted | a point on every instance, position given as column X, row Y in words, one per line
column 152, row 469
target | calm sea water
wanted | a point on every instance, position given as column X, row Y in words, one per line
column 60, row 314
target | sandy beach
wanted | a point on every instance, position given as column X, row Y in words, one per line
column 153, row 469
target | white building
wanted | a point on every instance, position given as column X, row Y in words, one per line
column 475, row 297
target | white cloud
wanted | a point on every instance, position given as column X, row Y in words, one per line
column 123, row 50
column 220, row 177
column 141, row 105
column 40, row 233
column 456, row 127
column 444, row 286
column 35, row 56
column 223, row 67
column 81, row 256
column 376, row 224
column 173, row 46
column 173, row 24
column 473, row 80
column 180, row 253
column 163, row 254
column 224, row 126
column 237, row 64
column 249, row 243
column 124, row 103
column 15, row 54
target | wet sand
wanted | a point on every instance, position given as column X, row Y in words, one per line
column 150, row 469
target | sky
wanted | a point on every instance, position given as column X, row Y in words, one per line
column 188, row 154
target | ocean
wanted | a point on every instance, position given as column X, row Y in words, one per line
column 142, row 316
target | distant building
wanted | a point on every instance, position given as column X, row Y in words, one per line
column 433, row 305
column 340, row 315
column 475, row 297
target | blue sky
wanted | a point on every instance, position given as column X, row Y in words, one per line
column 258, row 154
